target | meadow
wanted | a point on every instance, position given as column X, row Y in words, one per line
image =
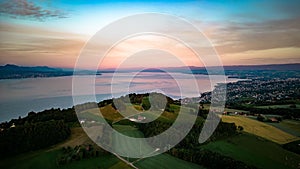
column 261, row 129
column 255, row 151
column 162, row 160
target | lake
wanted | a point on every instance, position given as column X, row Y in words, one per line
column 20, row 96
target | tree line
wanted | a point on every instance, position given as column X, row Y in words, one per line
column 32, row 136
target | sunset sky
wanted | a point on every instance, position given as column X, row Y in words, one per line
column 243, row 32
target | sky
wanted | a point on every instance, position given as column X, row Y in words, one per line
column 243, row 32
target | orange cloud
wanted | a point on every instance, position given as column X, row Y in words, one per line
column 34, row 46
column 150, row 51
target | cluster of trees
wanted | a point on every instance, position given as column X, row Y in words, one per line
column 208, row 159
column 191, row 140
column 78, row 153
column 105, row 102
column 36, row 131
column 85, row 106
column 293, row 146
column 153, row 128
column 66, row 115
column 286, row 113
column 32, row 136
column 158, row 100
column 222, row 130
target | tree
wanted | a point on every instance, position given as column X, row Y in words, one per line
column 240, row 128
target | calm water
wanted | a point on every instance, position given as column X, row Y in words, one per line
column 20, row 96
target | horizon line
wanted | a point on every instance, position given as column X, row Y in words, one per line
column 162, row 67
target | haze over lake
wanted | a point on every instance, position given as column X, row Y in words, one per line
column 20, row 96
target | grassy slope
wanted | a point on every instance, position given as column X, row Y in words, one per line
column 46, row 158
column 255, row 151
column 289, row 126
column 261, row 129
column 163, row 160
column 135, row 145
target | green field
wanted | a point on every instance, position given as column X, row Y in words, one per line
column 290, row 126
column 166, row 161
column 235, row 110
column 135, row 146
column 163, row 160
column 261, row 129
column 255, row 151
column 47, row 160
column 207, row 106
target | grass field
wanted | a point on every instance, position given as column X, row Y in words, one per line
column 235, row 110
column 111, row 114
column 207, row 106
column 254, row 151
column 261, row 129
column 165, row 161
column 46, row 159
column 78, row 137
column 137, row 146
column 290, row 126
column 162, row 161
column 108, row 112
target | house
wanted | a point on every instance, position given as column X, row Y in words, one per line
column 273, row 120
column 141, row 118
column 138, row 119
column 13, row 125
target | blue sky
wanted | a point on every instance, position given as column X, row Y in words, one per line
column 86, row 16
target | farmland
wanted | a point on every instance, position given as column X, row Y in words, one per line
column 261, row 129
column 255, row 151
column 162, row 160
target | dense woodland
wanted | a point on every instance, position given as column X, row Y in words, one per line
column 36, row 131
column 32, row 136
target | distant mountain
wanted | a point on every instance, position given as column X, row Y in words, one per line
column 10, row 71
column 282, row 71
column 290, row 66
column 11, row 67
column 286, row 67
